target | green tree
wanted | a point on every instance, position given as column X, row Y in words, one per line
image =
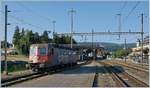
column 3, row 44
column 23, row 45
column 30, row 37
column 22, row 40
column 36, row 37
column 16, row 37
column 56, row 39
column 26, row 40
column 44, row 37
column 121, row 52
column 22, row 33
column 67, row 40
column 63, row 40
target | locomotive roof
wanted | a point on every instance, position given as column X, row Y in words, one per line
column 62, row 46
column 39, row 45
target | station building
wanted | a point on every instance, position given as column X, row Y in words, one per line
column 136, row 51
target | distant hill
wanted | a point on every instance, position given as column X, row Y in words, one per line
column 129, row 45
column 110, row 46
column 114, row 46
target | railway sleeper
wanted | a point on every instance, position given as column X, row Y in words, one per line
column 131, row 80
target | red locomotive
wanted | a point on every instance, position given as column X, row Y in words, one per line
column 51, row 56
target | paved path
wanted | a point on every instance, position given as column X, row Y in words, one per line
column 14, row 74
column 104, row 78
column 79, row 77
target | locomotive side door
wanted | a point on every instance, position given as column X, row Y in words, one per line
column 50, row 53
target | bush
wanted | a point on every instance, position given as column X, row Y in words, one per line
column 14, row 66
column 13, row 53
column 121, row 53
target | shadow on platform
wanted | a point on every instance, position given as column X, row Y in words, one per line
column 93, row 69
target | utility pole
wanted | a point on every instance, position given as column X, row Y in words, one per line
column 53, row 28
column 119, row 24
column 6, row 11
column 142, row 37
column 72, row 13
column 125, row 48
column 85, row 39
column 92, row 45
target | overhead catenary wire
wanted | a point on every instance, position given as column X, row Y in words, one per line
column 33, row 12
column 107, row 26
column 122, row 8
column 24, row 22
column 124, row 5
column 132, row 37
column 130, row 12
column 132, row 9
column 119, row 16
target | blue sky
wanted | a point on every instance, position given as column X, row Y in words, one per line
column 99, row 15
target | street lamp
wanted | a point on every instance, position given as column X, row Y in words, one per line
column 53, row 29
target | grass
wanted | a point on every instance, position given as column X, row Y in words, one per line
column 16, row 57
column 15, row 68
column 14, row 65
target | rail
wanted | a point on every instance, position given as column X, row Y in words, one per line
column 26, row 77
column 133, row 67
column 120, row 78
column 19, row 79
column 120, row 82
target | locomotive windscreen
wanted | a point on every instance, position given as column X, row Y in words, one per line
column 42, row 51
column 33, row 51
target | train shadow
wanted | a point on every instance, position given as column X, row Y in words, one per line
column 94, row 69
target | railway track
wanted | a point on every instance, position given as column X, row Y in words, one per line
column 30, row 76
column 95, row 81
column 19, row 79
column 133, row 67
column 123, row 79
column 115, row 77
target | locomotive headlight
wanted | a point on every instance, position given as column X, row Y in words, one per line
column 38, row 59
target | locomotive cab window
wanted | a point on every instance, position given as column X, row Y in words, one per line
column 33, row 51
column 42, row 51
